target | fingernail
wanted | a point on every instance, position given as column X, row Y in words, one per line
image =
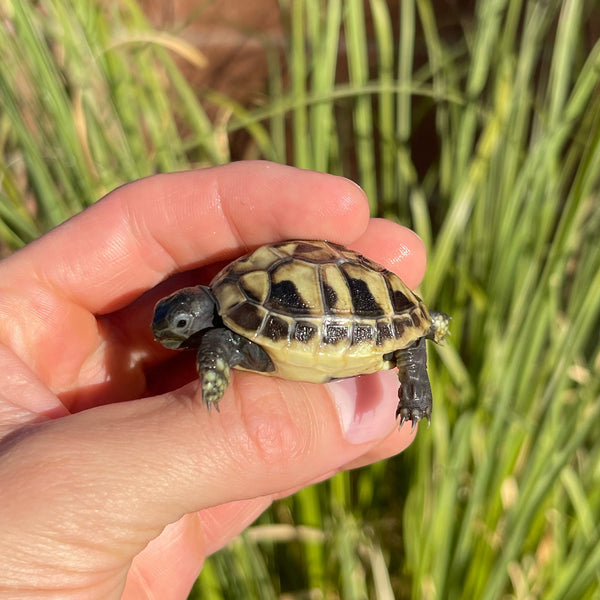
column 366, row 406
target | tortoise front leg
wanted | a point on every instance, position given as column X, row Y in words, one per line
column 219, row 350
column 415, row 389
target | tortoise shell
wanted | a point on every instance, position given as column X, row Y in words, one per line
column 319, row 310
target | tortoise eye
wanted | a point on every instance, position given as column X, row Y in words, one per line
column 181, row 321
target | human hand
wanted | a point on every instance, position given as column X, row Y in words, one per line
column 114, row 480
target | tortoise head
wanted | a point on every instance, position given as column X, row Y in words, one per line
column 180, row 316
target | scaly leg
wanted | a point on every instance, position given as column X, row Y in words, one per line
column 415, row 390
column 219, row 350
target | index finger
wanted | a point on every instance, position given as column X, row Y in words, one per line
column 147, row 230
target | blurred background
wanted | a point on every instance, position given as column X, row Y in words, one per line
column 475, row 123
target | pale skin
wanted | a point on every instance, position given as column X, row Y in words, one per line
column 102, row 498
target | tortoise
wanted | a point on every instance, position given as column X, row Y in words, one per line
column 306, row 310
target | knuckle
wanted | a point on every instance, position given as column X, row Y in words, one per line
column 274, row 428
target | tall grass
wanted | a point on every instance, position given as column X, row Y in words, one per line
column 499, row 498
column 89, row 99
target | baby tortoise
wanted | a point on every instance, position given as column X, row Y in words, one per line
column 305, row 310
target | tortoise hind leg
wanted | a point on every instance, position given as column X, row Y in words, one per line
column 415, row 390
column 219, row 350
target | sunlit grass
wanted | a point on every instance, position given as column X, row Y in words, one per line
column 90, row 99
column 500, row 496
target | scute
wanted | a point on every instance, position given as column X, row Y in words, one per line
column 255, row 285
column 259, row 260
column 276, row 328
column 285, row 297
column 335, row 333
column 295, row 289
column 315, row 252
column 385, row 332
column 364, row 302
column 362, row 333
column 337, row 298
column 401, row 300
column 319, row 309
column 304, row 332
column 247, row 317
column 370, row 295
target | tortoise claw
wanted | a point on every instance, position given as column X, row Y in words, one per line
column 412, row 414
column 213, row 387
column 210, row 403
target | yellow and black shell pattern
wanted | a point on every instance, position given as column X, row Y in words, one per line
column 319, row 310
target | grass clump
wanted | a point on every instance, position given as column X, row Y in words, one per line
column 90, row 99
